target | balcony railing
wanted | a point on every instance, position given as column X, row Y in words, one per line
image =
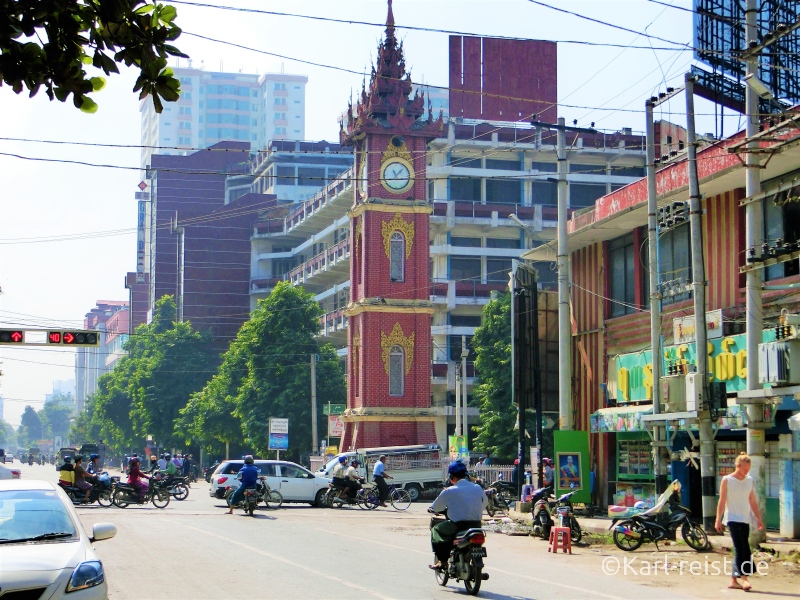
column 332, row 322
column 466, row 289
column 441, row 368
column 466, row 208
column 264, row 283
column 321, row 262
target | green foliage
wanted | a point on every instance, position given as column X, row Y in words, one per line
column 266, row 373
column 166, row 363
column 86, row 427
column 51, row 42
column 492, row 345
column 55, row 417
column 30, row 428
column 8, row 437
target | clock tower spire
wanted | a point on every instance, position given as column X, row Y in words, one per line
column 389, row 314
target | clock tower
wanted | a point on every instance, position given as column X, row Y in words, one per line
column 389, row 314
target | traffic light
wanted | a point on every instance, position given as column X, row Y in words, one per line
column 80, row 338
column 54, row 337
column 11, row 336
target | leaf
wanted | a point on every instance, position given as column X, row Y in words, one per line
column 88, row 105
column 167, row 13
column 144, row 10
column 98, row 83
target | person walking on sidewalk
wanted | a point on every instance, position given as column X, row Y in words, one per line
column 737, row 498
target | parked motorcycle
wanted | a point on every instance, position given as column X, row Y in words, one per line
column 659, row 523
column 100, row 493
column 125, row 494
column 506, row 489
column 466, row 559
column 566, row 516
column 542, row 519
column 496, row 502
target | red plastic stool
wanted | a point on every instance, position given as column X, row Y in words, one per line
column 560, row 537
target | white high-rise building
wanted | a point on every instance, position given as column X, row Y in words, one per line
column 216, row 107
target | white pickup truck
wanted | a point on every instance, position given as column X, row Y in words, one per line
column 414, row 468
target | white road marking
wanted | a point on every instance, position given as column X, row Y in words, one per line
column 285, row 560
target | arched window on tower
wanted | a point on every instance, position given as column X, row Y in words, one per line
column 397, row 257
column 397, row 367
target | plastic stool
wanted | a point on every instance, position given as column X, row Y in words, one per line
column 560, row 537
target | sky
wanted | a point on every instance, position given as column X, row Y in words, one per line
column 55, row 282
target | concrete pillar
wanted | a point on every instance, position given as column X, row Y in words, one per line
column 789, row 493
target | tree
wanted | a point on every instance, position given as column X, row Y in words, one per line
column 55, row 418
column 30, row 428
column 86, row 427
column 492, row 344
column 266, row 373
column 166, row 362
column 8, row 437
column 51, row 42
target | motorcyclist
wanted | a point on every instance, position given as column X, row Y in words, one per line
column 338, row 473
column 170, row 468
column 352, row 479
column 66, row 474
column 81, row 481
column 93, row 468
column 463, row 502
column 153, row 464
column 135, row 476
column 248, row 475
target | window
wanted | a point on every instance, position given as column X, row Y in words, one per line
column 465, row 162
column 468, row 242
column 465, row 268
column 286, row 176
column 464, row 188
column 545, row 192
column 544, row 167
column 254, row 93
column 292, row 472
column 397, row 257
column 454, row 347
column 781, row 220
column 310, row 176
column 581, row 194
column 497, row 270
column 503, row 243
column 621, row 258
column 397, row 365
column 675, row 256
column 503, row 191
column 464, row 320
column 504, row 165
column 587, row 169
column 628, row 171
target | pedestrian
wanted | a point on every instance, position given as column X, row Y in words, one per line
column 187, row 465
column 487, row 459
column 548, row 472
column 162, row 463
column 737, row 499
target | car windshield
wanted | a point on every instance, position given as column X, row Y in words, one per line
column 34, row 515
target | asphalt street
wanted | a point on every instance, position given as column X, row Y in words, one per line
column 193, row 550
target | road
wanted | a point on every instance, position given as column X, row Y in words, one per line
column 193, row 550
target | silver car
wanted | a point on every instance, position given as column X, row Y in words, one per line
column 44, row 551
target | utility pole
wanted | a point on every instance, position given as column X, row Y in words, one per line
column 458, row 399
column 754, row 236
column 179, row 258
column 464, row 355
column 659, row 464
column 562, row 262
column 314, row 403
column 708, row 481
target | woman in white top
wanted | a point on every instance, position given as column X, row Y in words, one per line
column 737, row 497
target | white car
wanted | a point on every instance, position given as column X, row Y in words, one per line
column 294, row 482
column 44, row 551
column 8, row 458
column 6, row 473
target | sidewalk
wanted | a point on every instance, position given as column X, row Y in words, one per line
column 781, row 546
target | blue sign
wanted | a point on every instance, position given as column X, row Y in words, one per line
column 278, row 441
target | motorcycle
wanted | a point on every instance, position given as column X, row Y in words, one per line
column 659, row 523
column 271, row 498
column 125, row 494
column 466, row 559
column 100, row 493
column 496, row 501
column 506, row 489
column 542, row 519
column 30, row 461
column 178, row 486
column 565, row 513
column 337, row 496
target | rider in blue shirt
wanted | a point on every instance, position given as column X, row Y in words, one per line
column 248, row 475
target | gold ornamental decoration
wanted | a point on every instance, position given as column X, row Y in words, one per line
column 397, row 151
column 396, row 338
column 358, row 234
column 398, row 223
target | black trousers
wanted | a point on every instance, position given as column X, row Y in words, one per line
column 742, row 558
column 383, row 488
column 443, row 534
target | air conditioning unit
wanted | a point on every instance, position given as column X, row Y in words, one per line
column 673, row 393
column 779, row 362
column 694, row 391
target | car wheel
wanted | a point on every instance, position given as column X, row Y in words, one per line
column 414, row 491
column 319, row 499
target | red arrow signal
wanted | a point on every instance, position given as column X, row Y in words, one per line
column 68, row 338
column 16, row 336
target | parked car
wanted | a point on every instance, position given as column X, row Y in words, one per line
column 294, row 482
column 6, row 473
column 45, row 552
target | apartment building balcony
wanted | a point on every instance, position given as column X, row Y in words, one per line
column 443, row 374
column 447, row 214
column 333, row 328
column 281, row 93
column 263, row 285
column 324, row 269
column 454, row 293
column 331, row 202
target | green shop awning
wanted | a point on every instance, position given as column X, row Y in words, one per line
column 619, row 418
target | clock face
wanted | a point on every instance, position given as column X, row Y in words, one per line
column 396, row 176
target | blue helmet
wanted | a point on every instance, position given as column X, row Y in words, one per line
column 457, row 468
column 342, row 459
column 93, row 456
